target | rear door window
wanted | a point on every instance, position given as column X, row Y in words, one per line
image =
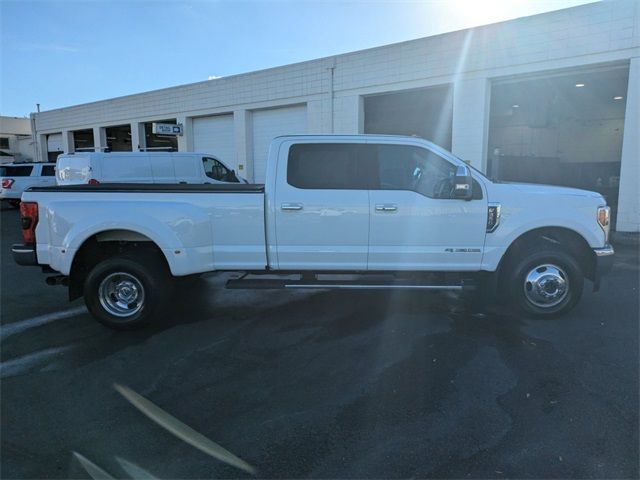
column 332, row 166
column 15, row 171
column 48, row 170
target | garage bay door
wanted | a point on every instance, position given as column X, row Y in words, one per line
column 54, row 146
column 54, row 142
column 268, row 124
column 215, row 135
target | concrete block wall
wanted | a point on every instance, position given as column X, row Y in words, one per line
column 333, row 88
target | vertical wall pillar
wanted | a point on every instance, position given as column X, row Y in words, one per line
column 317, row 118
column 68, row 145
column 470, row 132
column 348, row 115
column 185, row 141
column 99, row 138
column 243, row 144
column 43, row 151
column 628, row 219
column 138, row 137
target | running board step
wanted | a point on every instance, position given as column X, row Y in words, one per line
column 257, row 283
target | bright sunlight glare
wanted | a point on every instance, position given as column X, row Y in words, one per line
column 482, row 12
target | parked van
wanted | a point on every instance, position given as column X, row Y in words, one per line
column 142, row 167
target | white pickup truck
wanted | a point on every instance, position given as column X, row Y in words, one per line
column 335, row 212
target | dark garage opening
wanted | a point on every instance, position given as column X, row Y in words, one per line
column 425, row 113
column 83, row 140
column 119, row 138
column 560, row 129
column 160, row 142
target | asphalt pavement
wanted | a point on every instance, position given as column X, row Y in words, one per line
column 322, row 384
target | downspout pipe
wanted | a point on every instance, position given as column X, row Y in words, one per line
column 332, row 70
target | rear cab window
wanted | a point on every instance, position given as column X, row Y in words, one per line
column 74, row 168
column 48, row 171
column 16, row 171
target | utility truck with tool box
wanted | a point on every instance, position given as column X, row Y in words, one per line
column 344, row 212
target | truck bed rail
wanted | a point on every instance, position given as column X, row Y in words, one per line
column 154, row 188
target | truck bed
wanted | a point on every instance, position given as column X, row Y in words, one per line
column 199, row 228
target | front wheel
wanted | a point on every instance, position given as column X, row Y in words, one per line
column 547, row 283
column 126, row 292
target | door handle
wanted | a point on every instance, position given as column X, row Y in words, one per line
column 291, row 206
column 387, row 207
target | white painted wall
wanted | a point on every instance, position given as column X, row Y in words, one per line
column 18, row 132
column 15, row 126
column 25, row 148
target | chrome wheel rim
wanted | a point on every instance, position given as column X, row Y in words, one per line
column 546, row 286
column 121, row 294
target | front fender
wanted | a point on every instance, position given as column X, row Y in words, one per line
column 498, row 242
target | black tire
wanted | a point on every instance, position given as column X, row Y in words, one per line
column 546, row 283
column 143, row 279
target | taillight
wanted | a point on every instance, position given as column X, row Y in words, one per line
column 29, row 220
column 93, row 181
column 7, row 182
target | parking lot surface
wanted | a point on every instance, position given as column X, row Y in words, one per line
column 322, row 384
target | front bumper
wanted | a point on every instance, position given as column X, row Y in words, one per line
column 24, row 254
column 604, row 264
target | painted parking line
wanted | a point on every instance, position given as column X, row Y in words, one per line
column 11, row 329
column 24, row 363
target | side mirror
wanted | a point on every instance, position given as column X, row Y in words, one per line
column 463, row 183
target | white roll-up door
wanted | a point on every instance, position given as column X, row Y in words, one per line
column 54, row 142
column 215, row 135
column 268, row 124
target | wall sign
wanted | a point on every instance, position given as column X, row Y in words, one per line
column 166, row 129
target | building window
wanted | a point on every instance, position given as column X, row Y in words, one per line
column 158, row 141
column 4, row 143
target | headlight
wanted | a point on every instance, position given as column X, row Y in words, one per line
column 604, row 219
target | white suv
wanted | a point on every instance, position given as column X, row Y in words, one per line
column 17, row 177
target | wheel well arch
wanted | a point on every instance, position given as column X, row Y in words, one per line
column 562, row 238
column 104, row 244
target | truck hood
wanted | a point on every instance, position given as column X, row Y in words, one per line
column 533, row 188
